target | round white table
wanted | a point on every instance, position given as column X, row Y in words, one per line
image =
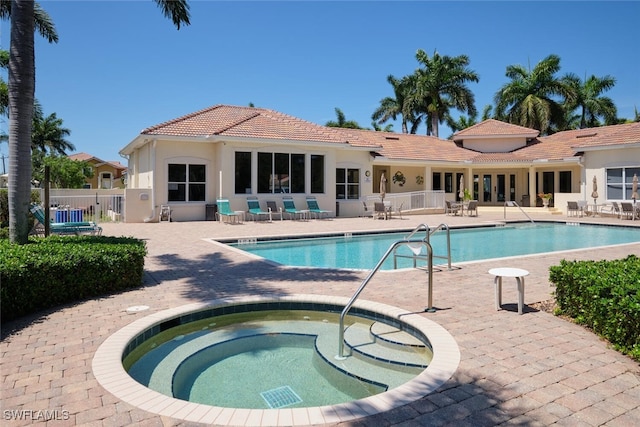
column 519, row 275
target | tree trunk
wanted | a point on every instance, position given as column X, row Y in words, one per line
column 434, row 124
column 21, row 94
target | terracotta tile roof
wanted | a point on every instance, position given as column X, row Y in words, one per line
column 86, row 157
column 250, row 122
column 491, row 127
column 224, row 120
column 627, row 133
column 402, row 146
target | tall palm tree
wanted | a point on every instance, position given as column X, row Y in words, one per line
column 589, row 99
column 24, row 14
column 442, row 85
column 530, row 99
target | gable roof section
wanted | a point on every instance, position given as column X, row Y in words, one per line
column 494, row 128
column 247, row 122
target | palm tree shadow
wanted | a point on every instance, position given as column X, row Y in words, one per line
column 214, row 275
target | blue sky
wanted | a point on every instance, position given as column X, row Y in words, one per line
column 121, row 66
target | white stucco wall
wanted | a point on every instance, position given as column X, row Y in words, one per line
column 493, row 145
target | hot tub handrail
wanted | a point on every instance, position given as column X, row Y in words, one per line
column 370, row 275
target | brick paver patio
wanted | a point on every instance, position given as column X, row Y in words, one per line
column 534, row 369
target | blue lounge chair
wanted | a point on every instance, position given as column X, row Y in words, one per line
column 314, row 209
column 291, row 210
column 224, row 211
column 62, row 228
column 255, row 211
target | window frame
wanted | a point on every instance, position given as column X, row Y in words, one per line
column 189, row 189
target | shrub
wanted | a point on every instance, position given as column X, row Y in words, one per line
column 603, row 295
column 60, row 269
column 4, row 211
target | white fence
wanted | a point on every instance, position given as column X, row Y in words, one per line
column 86, row 205
column 415, row 200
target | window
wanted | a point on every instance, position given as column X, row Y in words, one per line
column 436, row 180
column 565, row 182
column 317, row 174
column 243, row 173
column 619, row 182
column 187, row 183
column 281, row 173
column 347, row 184
column 448, row 182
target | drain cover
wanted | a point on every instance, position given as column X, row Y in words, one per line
column 280, row 397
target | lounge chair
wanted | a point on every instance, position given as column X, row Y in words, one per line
column 380, row 210
column 627, row 210
column 256, row 212
column 224, row 211
column 274, row 209
column 291, row 210
column 314, row 208
column 472, row 207
column 573, row 209
column 451, row 208
column 63, row 228
column 614, row 209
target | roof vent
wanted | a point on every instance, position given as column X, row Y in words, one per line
column 586, row 135
column 395, row 138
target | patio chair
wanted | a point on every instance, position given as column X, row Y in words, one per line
column 314, row 208
column 472, row 207
column 224, row 211
column 66, row 228
column 380, row 210
column 627, row 210
column 255, row 211
column 274, row 209
column 451, row 208
column 365, row 210
column 291, row 210
column 573, row 209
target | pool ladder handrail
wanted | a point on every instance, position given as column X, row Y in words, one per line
column 428, row 234
column 512, row 203
column 373, row 271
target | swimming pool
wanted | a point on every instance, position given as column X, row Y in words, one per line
column 353, row 251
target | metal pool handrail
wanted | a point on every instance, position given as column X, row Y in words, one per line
column 512, row 203
column 429, row 232
column 364, row 283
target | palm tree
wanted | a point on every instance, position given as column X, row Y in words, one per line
column 26, row 16
column 48, row 135
column 441, row 85
column 390, row 108
column 342, row 122
column 590, row 101
column 529, row 99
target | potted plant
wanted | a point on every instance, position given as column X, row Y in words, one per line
column 546, row 198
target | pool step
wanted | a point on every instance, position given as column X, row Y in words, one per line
column 387, row 346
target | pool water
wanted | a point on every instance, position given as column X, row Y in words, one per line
column 266, row 360
column 467, row 244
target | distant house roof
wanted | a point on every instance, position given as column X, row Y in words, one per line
column 224, row 121
column 88, row 157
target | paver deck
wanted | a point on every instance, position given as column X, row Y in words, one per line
column 534, row 369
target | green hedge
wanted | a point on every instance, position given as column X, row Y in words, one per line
column 603, row 295
column 4, row 211
column 61, row 269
